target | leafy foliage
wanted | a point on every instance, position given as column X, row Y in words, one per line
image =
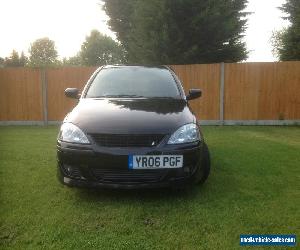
column 23, row 59
column 286, row 43
column 179, row 31
column 43, row 53
column 277, row 41
column 15, row 60
column 1, row 62
column 99, row 49
column 72, row 61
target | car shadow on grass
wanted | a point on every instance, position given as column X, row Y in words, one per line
column 162, row 195
column 154, row 194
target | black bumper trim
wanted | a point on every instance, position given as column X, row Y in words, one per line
column 81, row 183
column 88, row 159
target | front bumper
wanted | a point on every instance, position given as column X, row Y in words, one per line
column 94, row 166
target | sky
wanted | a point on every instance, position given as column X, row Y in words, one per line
column 68, row 22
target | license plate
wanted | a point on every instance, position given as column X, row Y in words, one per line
column 155, row 161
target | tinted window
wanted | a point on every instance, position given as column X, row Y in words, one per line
column 133, row 81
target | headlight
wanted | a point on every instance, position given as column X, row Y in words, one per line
column 70, row 133
column 185, row 134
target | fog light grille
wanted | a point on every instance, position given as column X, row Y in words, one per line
column 72, row 171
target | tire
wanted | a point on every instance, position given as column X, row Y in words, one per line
column 203, row 170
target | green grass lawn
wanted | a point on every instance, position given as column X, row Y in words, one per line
column 253, row 188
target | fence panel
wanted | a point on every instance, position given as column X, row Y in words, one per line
column 262, row 91
column 287, row 76
column 253, row 91
column 57, row 81
column 207, row 78
column 20, row 95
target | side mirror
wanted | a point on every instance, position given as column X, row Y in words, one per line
column 193, row 94
column 72, row 93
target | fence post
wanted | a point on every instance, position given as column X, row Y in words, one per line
column 44, row 96
column 222, row 83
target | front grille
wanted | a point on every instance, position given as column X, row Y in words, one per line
column 129, row 176
column 121, row 140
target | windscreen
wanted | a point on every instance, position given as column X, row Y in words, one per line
column 133, row 82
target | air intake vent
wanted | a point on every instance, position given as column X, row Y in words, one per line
column 120, row 140
column 129, row 176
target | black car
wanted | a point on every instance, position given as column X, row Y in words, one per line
column 132, row 128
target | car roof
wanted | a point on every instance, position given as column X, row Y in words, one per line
column 135, row 66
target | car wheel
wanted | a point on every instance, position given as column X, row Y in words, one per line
column 203, row 170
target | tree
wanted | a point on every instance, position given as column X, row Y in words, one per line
column 1, row 62
column 14, row 60
column 43, row 53
column 23, row 59
column 72, row 61
column 99, row 49
column 286, row 43
column 277, row 42
column 179, row 31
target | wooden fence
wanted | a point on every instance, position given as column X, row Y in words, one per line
column 232, row 93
